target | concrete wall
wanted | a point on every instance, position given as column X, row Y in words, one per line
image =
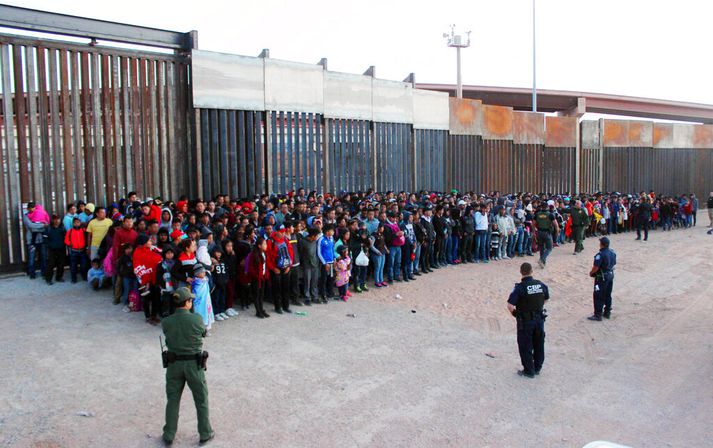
column 232, row 82
column 528, row 128
column 227, row 81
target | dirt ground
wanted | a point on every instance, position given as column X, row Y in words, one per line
column 442, row 376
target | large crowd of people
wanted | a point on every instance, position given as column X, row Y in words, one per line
column 305, row 248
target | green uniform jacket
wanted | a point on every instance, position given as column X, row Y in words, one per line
column 184, row 332
column 579, row 217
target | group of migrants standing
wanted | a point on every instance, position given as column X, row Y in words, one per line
column 191, row 263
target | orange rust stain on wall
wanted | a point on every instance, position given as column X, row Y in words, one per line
column 615, row 133
column 561, row 132
column 528, row 127
column 703, row 136
column 636, row 133
column 465, row 113
column 662, row 132
column 497, row 120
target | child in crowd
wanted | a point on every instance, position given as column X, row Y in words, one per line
column 258, row 275
column 378, row 255
column 125, row 269
column 342, row 268
column 325, row 252
column 95, row 276
column 231, row 264
column 166, row 281
column 220, row 282
column 76, row 241
column 202, row 303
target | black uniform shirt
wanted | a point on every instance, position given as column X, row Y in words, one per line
column 605, row 260
column 526, row 291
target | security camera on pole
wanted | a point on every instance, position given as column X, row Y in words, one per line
column 458, row 41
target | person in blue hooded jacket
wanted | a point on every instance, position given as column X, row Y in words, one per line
column 325, row 253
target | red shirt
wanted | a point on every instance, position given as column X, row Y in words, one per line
column 145, row 264
column 275, row 240
column 121, row 236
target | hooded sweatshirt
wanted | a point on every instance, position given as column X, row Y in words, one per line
column 166, row 224
column 277, row 239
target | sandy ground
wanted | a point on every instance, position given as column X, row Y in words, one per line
column 387, row 377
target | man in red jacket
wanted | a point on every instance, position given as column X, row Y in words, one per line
column 146, row 259
column 124, row 234
column 279, row 261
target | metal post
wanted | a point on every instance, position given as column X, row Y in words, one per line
column 459, row 93
column 534, row 62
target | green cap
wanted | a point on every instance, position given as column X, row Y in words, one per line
column 454, row 191
column 182, row 294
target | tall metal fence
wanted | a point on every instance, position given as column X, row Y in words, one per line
column 92, row 122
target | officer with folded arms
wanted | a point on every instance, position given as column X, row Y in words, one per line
column 526, row 303
column 603, row 274
column 185, row 363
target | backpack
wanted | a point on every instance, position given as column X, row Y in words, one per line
column 134, row 300
column 283, row 255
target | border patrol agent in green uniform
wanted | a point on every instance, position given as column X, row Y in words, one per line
column 580, row 219
column 185, row 363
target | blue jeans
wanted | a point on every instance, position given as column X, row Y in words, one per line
column 613, row 223
column 77, row 257
column 128, row 285
column 520, row 243
column 378, row 261
column 418, row 256
column 544, row 240
column 453, row 253
column 33, row 250
column 394, row 262
column 480, row 246
column 360, row 274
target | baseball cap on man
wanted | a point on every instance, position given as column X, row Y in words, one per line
column 90, row 207
column 181, row 295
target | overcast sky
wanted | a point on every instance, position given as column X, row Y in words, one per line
column 657, row 49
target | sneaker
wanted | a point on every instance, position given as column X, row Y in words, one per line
column 231, row 312
column 595, row 318
column 218, row 318
column 364, row 289
column 278, row 311
column 525, row 374
column 126, row 309
column 358, row 289
column 349, row 293
column 541, row 264
column 378, row 285
column 308, row 303
column 345, row 298
column 287, row 310
column 224, row 316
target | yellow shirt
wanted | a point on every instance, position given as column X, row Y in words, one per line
column 98, row 229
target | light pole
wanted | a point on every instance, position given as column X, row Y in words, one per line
column 534, row 62
column 458, row 41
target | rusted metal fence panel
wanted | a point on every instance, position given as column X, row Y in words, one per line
column 232, row 152
column 430, row 153
column 348, row 147
column 91, row 123
column 394, row 156
column 527, row 174
column 559, row 165
column 464, row 162
column 296, row 148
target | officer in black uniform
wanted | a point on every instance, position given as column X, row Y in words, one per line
column 526, row 303
column 603, row 274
